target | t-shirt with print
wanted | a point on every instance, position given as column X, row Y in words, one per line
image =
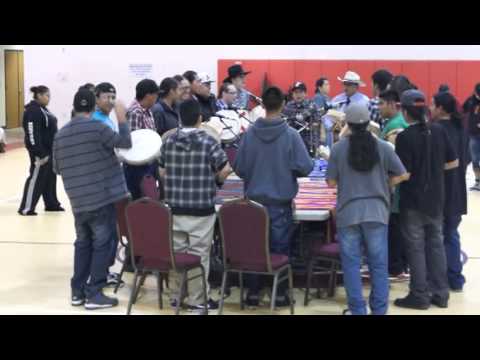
column 363, row 196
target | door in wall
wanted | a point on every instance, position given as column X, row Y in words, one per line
column 14, row 88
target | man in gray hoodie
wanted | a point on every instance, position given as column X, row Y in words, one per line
column 270, row 158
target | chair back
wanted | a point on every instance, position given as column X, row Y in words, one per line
column 150, row 233
column 244, row 227
column 120, row 207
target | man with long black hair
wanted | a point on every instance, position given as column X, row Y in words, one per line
column 444, row 111
column 426, row 152
column 361, row 165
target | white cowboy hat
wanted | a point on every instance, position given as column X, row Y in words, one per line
column 352, row 77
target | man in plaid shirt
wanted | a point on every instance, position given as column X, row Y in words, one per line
column 380, row 79
column 140, row 117
column 191, row 164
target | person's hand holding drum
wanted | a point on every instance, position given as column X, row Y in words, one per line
column 120, row 111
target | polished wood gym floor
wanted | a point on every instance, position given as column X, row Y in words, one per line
column 36, row 260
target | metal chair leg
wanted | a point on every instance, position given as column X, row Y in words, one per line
column 119, row 278
column 274, row 292
column 205, row 295
column 331, row 278
column 240, row 279
column 309, row 281
column 142, row 281
column 290, row 290
column 222, row 292
column 132, row 295
column 167, row 283
column 333, row 287
column 160, row 290
column 182, row 291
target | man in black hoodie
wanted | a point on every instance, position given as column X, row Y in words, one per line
column 270, row 158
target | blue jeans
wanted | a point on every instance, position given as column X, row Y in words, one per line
column 281, row 231
column 92, row 250
column 451, row 240
column 374, row 237
column 475, row 151
column 114, row 239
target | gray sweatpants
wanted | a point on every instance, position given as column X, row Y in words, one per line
column 426, row 254
column 200, row 230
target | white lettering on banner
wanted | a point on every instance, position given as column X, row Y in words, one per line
column 141, row 71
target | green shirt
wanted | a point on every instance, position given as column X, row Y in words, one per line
column 396, row 122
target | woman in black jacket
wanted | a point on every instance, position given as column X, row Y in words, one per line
column 40, row 127
column 444, row 111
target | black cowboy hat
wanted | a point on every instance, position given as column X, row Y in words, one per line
column 234, row 71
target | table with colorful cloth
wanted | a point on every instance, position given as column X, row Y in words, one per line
column 314, row 200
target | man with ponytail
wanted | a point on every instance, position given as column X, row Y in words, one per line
column 426, row 152
column 444, row 111
column 363, row 167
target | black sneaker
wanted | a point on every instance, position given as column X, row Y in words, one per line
column 252, row 301
column 211, row 305
column 28, row 213
column 100, row 301
column 411, row 302
column 78, row 299
column 441, row 303
column 283, row 301
column 58, row 208
column 113, row 279
column 347, row 312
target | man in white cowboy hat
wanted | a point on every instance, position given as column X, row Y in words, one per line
column 351, row 82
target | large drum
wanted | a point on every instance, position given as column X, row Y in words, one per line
column 213, row 132
column 145, row 148
column 229, row 125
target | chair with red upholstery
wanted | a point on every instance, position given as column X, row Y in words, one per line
column 244, row 227
column 151, row 242
column 321, row 252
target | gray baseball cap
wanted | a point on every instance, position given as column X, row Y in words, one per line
column 412, row 98
column 357, row 114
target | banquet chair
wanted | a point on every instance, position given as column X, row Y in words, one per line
column 122, row 232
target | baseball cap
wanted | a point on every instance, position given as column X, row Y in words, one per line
column 299, row 86
column 104, row 87
column 84, row 101
column 357, row 114
column 412, row 98
column 205, row 78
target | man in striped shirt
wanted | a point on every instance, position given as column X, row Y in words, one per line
column 139, row 117
column 83, row 154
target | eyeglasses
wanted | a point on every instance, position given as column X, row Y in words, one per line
column 232, row 92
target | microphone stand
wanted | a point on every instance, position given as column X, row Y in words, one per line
column 242, row 115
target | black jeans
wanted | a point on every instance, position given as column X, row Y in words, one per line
column 397, row 255
column 426, row 255
column 93, row 248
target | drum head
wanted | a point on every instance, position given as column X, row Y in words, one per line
column 233, row 122
column 146, row 146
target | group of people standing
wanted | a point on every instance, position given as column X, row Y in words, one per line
column 400, row 201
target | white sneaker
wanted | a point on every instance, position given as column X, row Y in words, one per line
column 475, row 187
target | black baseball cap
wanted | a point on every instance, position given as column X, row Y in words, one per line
column 299, row 86
column 104, row 87
column 84, row 101
column 412, row 98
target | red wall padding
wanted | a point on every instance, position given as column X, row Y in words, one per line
column 461, row 76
